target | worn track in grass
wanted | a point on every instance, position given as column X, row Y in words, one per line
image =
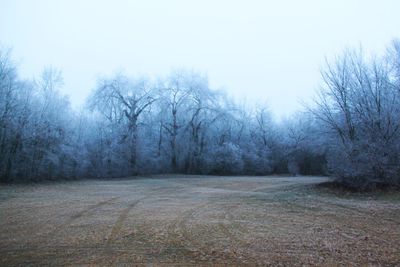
column 195, row 220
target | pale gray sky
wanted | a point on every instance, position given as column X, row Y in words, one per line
column 262, row 51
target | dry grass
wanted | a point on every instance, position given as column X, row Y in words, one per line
column 196, row 220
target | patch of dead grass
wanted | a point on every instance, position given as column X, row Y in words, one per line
column 196, row 221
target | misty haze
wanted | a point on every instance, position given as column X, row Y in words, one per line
column 199, row 133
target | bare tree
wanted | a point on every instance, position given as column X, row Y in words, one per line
column 180, row 97
column 360, row 106
column 122, row 100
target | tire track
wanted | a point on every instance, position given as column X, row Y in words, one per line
column 206, row 252
column 119, row 222
column 81, row 213
column 90, row 208
column 116, row 229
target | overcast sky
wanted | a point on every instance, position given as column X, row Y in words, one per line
column 258, row 51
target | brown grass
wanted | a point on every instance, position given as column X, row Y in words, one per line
column 197, row 220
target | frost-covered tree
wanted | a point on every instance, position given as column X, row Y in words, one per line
column 121, row 101
column 35, row 126
column 188, row 108
column 359, row 105
column 179, row 124
column 304, row 148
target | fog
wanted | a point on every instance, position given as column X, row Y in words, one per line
column 199, row 133
column 258, row 51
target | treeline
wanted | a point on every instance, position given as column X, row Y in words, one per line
column 358, row 108
column 178, row 124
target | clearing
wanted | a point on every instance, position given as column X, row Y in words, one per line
column 181, row 220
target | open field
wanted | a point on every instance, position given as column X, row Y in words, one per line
column 196, row 220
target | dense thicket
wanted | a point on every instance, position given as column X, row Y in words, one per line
column 178, row 124
column 359, row 109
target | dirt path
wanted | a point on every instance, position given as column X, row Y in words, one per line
column 197, row 220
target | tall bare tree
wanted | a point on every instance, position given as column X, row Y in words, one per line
column 122, row 100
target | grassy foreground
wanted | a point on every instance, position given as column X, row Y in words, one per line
column 196, row 220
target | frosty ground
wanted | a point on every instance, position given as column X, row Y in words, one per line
column 197, row 220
